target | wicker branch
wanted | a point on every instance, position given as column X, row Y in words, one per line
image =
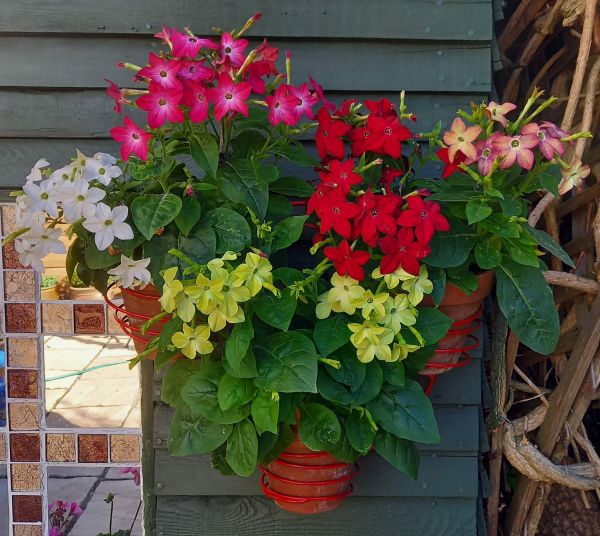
column 565, row 279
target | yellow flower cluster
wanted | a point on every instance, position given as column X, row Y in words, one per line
column 217, row 295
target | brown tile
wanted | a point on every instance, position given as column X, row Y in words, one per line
column 113, row 327
column 57, row 318
column 90, row 318
column 20, row 318
column 10, row 257
column 25, row 477
column 25, row 447
column 22, row 353
column 93, row 448
column 124, row 448
column 27, row 508
column 23, row 416
column 60, row 448
column 2, row 447
column 27, row 530
column 22, row 384
column 9, row 224
column 19, row 285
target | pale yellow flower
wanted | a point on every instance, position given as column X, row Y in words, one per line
column 192, row 341
column 415, row 285
column 207, row 293
column 344, row 297
column 171, row 289
column 398, row 313
column 256, row 273
column 372, row 304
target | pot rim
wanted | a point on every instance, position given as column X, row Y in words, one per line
column 301, row 500
column 286, row 480
column 340, row 465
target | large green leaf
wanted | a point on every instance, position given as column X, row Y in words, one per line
column 234, row 392
column 192, row 433
column 265, row 411
column 244, row 182
column 527, row 303
column 152, row 211
column 242, row 448
column 331, row 390
column 239, row 359
column 163, row 355
column 294, row 152
column 438, row 277
column 477, row 210
column 99, row 260
column 287, row 232
column 319, row 427
column 351, row 371
column 270, row 446
column 276, row 311
column 231, row 229
column 371, row 385
column 399, row 453
column 287, row 362
column 343, row 450
column 547, row 242
column 453, row 247
column 331, row 333
column 205, row 151
column 432, row 324
column 188, row 215
column 200, row 245
column 292, row 187
column 406, row 412
column 487, row 255
column 175, row 378
column 360, row 430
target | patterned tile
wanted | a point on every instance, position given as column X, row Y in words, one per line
column 90, row 318
column 25, row 477
column 57, row 318
column 23, row 416
column 60, row 448
column 8, row 219
column 20, row 318
column 23, row 384
column 27, row 530
column 113, row 328
column 24, row 447
column 2, row 447
column 93, row 448
column 124, row 448
column 27, row 508
column 22, row 353
column 10, row 257
column 19, row 286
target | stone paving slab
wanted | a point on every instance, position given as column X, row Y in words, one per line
column 92, row 417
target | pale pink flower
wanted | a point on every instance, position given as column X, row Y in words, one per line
column 163, row 72
column 548, row 144
column 232, row 50
column 460, row 138
column 496, row 112
column 229, row 97
column 165, row 35
column 572, row 177
column 162, row 105
column 133, row 139
column 554, row 130
column 305, row 101
column 187, row 46
column 486, row 154
column 516, row 148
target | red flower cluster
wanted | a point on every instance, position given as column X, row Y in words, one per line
column 397, row 231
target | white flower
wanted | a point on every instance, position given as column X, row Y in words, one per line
column 80, row 159
column 96, row 170
column 29, row 254
column 42, row 197
column 132, row 273
column 63, row 175
column 108, row 224
column 79, row 200
column 105, row 159
column 45, row 240
column 24, row 217
column 35, row 173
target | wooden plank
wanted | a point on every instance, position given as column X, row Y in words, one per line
column 358, row 516
column 89, row 114
column 337, row 65
column 147, row 406
column 375, row 479
column 385, row 19
column 459, row 428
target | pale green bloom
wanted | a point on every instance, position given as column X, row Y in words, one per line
column 192, row 341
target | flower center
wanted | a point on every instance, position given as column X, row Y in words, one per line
column 206, row 287
column 369, row 300
column 541, row 135
column 387, row 130
column 366, row 134
column 192, row 69
column 163, row 74
column 192, row 39
column 514, row 143
column 423, row 214
column 135, row 136
column 227, row 50
column 346, row 288
column 276, row 105
column 200, row 97
column 336, row 210
column 393, row 310
column 343, row 175
column 162, row 102
column 107, row 222
column 228, row 96
column 65, row 177
column 81, row 197
column 374, row 212
column 101, row 171
column 461, row 139
column 325, row 133
column 226, row 288
column 44, row 195
column 402, row 249
column 486, row 153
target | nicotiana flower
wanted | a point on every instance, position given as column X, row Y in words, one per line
column 398, row 313
column 372, row 305
column 187, row 46
column 425, row 216
column 347, row 261
column 516, row 148
column 133, row 139
column 170, row 290
column 162, row 104
column 572, row 177
column 548, row 144
column 64, row 175
column 282, row 106
column 29, row 254
column 163, row 72
column 415, row 285
column 345, row 296
column 229, row 96
column 42, row 197
column 256, row 273
column 103, row 172
column 107, row 224
column 192, row 341
column 132, row 273
column 461, row 138
column 79, row 200
column 328, row 135
column 496, row 112
column 232, row 50
column 33, row 245
column 36, row 171
column 486, row 154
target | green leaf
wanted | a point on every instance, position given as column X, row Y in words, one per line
column 550, row 179
column 351, row 372
column 163, row 354
column 331, row 390
column 277, row 312
column 239, row 358
column 175, row 378
column 205, row 151
column 243, row 182
column 200, row 246
column 360, row 431
column 157, row 250
column 151, row 212
column 234, row 392
column 451, row 248
column 319, row 427
column 270, row 446
column 242, row 448
column 406, row 412
column 343, row 450
column 292, row 187
column 417, row 360
column 521, row 253
column 294, row 152
column 512, row 206
column 193, row 434
column 487, row 255
column 432, row 324
column 287, row 362
column 394, row 373
column 265, row 411
column 287, row 232
column 548, row 243
column 371, row 385
column 399, row 453
column 287, row 276
column 438, row 277
column 527, row 303
column 188, row 215
column 288, row 404
column 279, row 207
column 231, row 229
column 477, row 210
column 219, row 461
column 331, row 333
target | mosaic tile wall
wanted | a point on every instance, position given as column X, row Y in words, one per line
column 27, row 445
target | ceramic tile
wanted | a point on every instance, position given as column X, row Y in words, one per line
column 112, row 327
column 19, row 285
column 23, row 416
column 24, row 447
column 25, row 477
column 57, row 318
column 93, row 448
column 20, row 318
column 27, row 508
column 10, row 257
column 60, row 448
column 124, row 448
column 90, row 318
column 2, row 447
column 22, row 384
column 27, row 530
column 8, row 219
column 22, row 353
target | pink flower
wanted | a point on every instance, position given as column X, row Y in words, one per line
column 133, row 139
column 194, row 70
column 486, row 154
column 282, row 106
column 194, row 96
column 135, row 471
column 187, row 46
column 305, row 101
column 497, row 111
column 55, row 531
column 572, row 177
column 517, row 148
column 554, row 130
column 318, row 89
column 165, row 35
column 75, row 509
column 232, row 50
column 460, row 138
column 548, row 144
column 162, row 105
column 163, row 72
column 229, row 97
column 116, row 94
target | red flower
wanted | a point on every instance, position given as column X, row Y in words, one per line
column 336, row 212
column 381, row 108
column 185, row 45
column 346, row 261
column 450, row 167
column 424, row 216
column 328, row 135
column 305, row 100
column 344, row 108
column 282, row 106
column 402, row 250
column 341, row 175
column 387, row 135
column 318, row 89
column 118, row 95
column 194, row 96
column 162, row 105
column 319, row 200
column 388, row 175
column 359, row 137
column 133, row 139
column 377, row 215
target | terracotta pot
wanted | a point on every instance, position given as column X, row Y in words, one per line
column 466, row 311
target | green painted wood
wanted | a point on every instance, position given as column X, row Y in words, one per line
column 358, row 516
column 384, row 19
column 375, row 479
column 337, row 65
